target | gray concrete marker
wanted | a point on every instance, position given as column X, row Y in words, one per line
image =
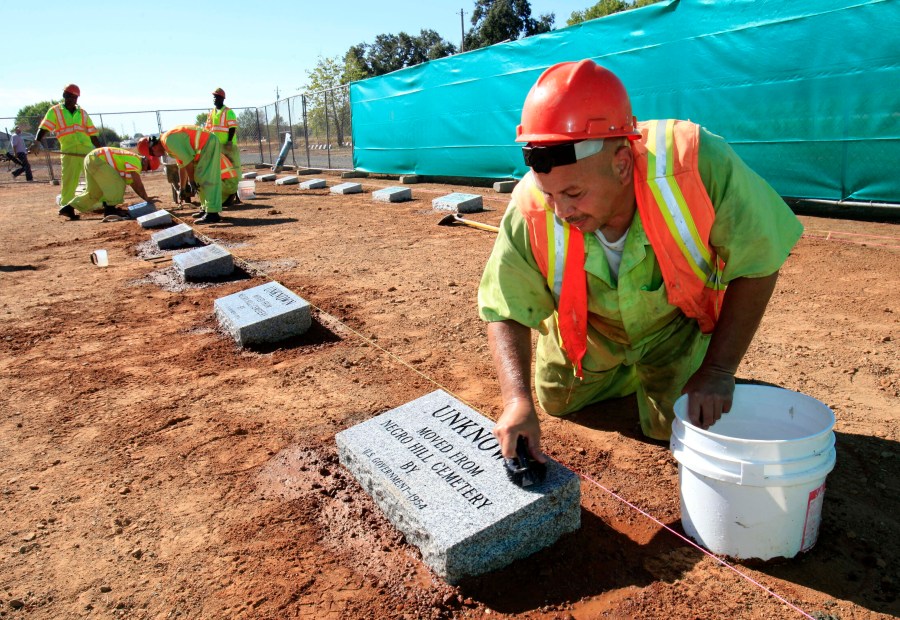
column 208, row 262
column 288, row 180
column 309, row 171
column 141, row 208
column 347, row 188
column 249, row 175
column 354, row 174
column 461, row 203
column 175, row 237
column 435, row 469
column 313, row 184
column 266, row 313
column 409, row 178
column 266, row 177
column 155, row 219
column 392, row 194
column 504, row 187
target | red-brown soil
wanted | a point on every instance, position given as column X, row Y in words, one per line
column 151, row 469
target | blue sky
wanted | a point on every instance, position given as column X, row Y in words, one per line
column 167, row 54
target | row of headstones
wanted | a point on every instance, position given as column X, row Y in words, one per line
column 432, row 465
column 266, row 313
column 457, row 201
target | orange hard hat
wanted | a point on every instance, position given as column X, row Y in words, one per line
column 219, row 92
column 574, row 101
column 72, row 89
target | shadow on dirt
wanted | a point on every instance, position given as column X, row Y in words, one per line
column 316, row 336
column 228, row 219
column 13, row 268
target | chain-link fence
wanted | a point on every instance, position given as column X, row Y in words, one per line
column 319, row 124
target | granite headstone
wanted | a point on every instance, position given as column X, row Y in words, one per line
column 210, row 261
column 434, row 468
column 266, row 177
column 392, row 194
column 461, row 203
column 266, row 313
column 141, row 208
column 347, row 188
column 313, row 184
column 291, row 179
column 174, row 237
column 155, row 219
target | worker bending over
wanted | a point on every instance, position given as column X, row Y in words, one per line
column 108, row 170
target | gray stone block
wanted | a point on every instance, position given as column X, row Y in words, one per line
column 461, row 203
column 392, row 194
column 309, row 171
column 266, row 313
column 266, row 177
column 354, row 174
column 288, row 180
column 141, row 208
column 504, row 187
column 211, row 261
column 409, row 178
column 155, row 219
column 313, row 184
column 249, row 175
column 175, row 237
column 435, row 469
column 347, row 188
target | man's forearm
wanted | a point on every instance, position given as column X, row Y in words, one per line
column 510, row 344
column 742, row 310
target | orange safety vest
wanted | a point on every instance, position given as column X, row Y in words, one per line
column 198, row 137
column 228, row 169
column 677, row 216
column 221, row 124
column 124, row 161
column 61, row 129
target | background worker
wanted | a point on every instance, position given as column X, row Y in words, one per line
column 17, row 144
column 108, row 170
column 77, row 137
column 197, row 152
column 223, row 122
column 617, row 247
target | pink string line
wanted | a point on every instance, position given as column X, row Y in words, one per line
column 692, row 543
column 828, row 237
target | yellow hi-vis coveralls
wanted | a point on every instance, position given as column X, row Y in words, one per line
column 74, row 131
column 639, row 342
column 220, row 122
column 189, row 143
column 107, row 171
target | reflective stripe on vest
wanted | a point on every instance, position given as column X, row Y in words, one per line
column 677, row 216
column 62, row 129
column 198, row 137
column 227, row 168
column 116, row 158
column 221, row 123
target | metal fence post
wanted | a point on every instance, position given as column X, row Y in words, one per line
column 259, row 136
column 306, row 131
column 159, row 123
column 327, row 134
column 268, row 137
column 291, row 128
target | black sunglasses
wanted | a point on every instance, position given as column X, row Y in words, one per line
column 543, row 158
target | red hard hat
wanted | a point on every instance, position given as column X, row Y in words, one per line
column 576, row 101
column 219, row 92
column 143, row 146
column 72, row 89
column 154, row 162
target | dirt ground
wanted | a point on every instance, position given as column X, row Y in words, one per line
column 151, row 469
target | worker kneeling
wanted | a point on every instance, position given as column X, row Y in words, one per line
column 617, row 247
column 108, row 170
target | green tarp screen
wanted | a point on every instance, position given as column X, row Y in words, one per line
column 807, row 92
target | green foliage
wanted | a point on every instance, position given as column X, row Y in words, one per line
column 604, row 8
column 391, row 52
column 328, row 98
column 247, row 127
column 30, row 116
column 201, row 119
column 496, row 21
column 108, row 137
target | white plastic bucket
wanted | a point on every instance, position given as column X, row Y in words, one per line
column 752, row 485
column 246, row 189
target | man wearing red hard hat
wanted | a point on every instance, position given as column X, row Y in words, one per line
column 76, row 134
column 222, row 121
column 108, row 171
column 617, row 247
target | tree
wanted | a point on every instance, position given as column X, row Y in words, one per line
column 327, row 104
column 247, row 127
column 604, row 8
column 201, row 118
column 108, row 137
column 391, row 52
column 496, row 21
column 30, row 116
